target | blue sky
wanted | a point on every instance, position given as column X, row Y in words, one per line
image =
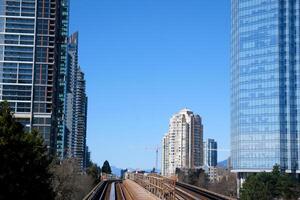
column 144, row 60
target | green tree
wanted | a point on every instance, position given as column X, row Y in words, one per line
column 265, row 186
column 289, row 187
column 195, row 177
column 106, row 167
column 94, row 172
column 24, row 168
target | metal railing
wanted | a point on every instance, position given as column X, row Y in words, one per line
column 162, row 187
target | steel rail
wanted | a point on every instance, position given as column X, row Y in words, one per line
column 184, row 194
column 103, row 192
column 203, row 192
column 96, row 191
column 120, row 192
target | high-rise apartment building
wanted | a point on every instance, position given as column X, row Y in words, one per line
column 265, row 85
column 76, row 107
column 165, row 152
column 80, row 118
column 61, row 77
column 70, row 94
column 210, row 147
column 182, row 146
column 30, row 58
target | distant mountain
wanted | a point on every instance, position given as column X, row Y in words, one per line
column 116, row 171
column 149, row 170
column 222, row 164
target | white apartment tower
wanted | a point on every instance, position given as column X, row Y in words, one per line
column 182, row 146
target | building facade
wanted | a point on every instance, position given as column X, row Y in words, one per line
column 182, row 146
column 210, row 147
column 165, row 155
column 61, row 78
column 76, row 106
column 39, row 74
column 211, row 172
column 30, row 58
column 71, row 94
column 265, row 85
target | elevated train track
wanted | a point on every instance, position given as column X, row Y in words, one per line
column 117, row 190
column 150, row 188
column 122, row 192
column 106, row 190
column 169, row 189
column 96, row 192
column 190, row 192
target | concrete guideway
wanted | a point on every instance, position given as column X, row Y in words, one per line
column 119, row 190
column 151, row 187
column 122, row 192
column 169, row 189
column 137, row 191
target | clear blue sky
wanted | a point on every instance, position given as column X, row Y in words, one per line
column 145, row 60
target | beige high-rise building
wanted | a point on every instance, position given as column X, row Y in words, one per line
column 182, row 146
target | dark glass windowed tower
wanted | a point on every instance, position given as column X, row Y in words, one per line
column 33, row 35
column 265, row 85
column 210, row 147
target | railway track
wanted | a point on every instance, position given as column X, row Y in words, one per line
column 102, row 191
column 116, row 190
column 122, row 193
column 109, row 190
column 96, row 192
column 189, row 192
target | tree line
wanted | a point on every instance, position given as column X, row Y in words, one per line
column 274, row 185
column 28, row 172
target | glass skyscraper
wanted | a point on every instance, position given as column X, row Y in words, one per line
column 210, row 148
column 17, row 57
column 31, row 57
column 76, row 107
column 265, row 85
column 40, row 76
column 61, row 78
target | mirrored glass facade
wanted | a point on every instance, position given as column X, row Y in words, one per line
column 265, row 80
